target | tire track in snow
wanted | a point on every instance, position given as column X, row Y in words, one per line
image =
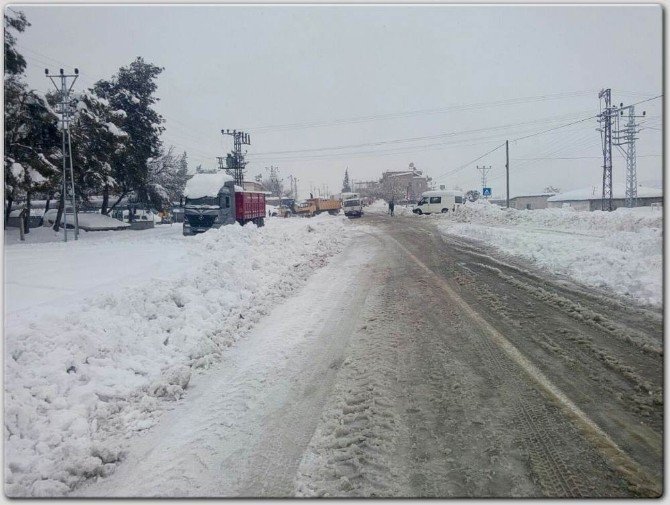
column 560, row 473
column 354, row 451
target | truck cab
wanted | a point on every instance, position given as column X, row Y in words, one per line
column 203, row 211
column 353, row 207
column 352, row 204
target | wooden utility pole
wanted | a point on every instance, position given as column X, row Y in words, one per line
column 507, row 169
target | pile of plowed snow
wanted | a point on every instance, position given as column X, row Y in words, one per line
column 382, row 207
column 109, row 366
column 481, row 212
column 620, row 250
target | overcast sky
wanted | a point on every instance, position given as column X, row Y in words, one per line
column 438, row 86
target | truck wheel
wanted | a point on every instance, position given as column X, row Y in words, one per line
column 444, row 211
column 261, row 222
column 418, row 211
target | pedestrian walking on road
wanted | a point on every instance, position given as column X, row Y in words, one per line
column 391, row 207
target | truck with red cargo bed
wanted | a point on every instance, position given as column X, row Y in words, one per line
column 213, row 200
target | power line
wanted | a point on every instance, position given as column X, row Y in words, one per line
column 394, row 115
column 465, row 165
column 578, row 157
column 418, row 139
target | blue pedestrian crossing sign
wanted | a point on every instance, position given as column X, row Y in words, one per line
column 486, row 191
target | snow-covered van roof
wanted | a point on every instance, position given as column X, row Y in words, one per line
column 201, row 185
column 439, row 192
column 596, row 193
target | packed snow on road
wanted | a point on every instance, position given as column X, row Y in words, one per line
column 621, row 251
column 102, row 334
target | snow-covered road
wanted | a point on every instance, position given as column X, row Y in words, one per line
column 247, row 421
column 375, row 357
column 130, row 317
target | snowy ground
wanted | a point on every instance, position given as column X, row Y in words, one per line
column 620, row 251
column 245, row 423
column 102, row 334
column 382, row 207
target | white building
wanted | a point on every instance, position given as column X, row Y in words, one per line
column 590, row 198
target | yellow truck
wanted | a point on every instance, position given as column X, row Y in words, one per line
column 326, row 205
column 314, row 206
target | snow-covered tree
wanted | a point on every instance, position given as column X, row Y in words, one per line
column 167, row 178
column 31, row 143
column 15, row 21
column 273, row 184
column 131, row 90
column 472, row 195
column 346, row 185
column 98, row 142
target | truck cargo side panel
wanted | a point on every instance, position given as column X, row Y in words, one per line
column 249, row 205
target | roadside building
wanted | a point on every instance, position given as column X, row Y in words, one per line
column 590, row 198
column 529, row 202
column 404, row 186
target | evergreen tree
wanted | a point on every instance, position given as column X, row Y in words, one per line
column 31, row 143
column 131, row 91
column 15, row 63
column 97, row 142
column 346, row 185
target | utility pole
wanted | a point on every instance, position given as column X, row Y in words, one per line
column 485, row 170
column 294, row 186
column 66, row 111
column 507, row 170
column 627, row 136
column 275, row 183
column 605, row 118
column 235, row 160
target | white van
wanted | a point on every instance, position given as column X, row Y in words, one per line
column 439, row 201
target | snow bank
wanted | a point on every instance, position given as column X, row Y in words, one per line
column 620, row 251
column 382, row 207
column 88, row 221
column 201, row 185
column 75, row 384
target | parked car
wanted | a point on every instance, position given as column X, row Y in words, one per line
column 437, row 201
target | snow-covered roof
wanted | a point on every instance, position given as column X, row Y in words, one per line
column 531, row 195
column 416, row 173
column 595, row 193
column 201, row 185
